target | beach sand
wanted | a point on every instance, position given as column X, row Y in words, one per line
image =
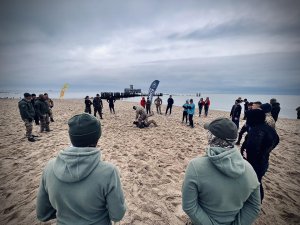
column 151, row 161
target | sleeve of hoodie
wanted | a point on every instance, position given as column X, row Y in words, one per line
column 250, row 210
column 44, row 209
column 190, row 203
column 115, row 198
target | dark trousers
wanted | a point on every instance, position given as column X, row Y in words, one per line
column 206, row 110
column 200, row 110
column 169, row 107
column 88, row 110
column 185, row 116
column 262, row 194
column 191, row 120
column 148, row 109
column 245, row 117
column 236, row 121
column 99, row 110
column 242, row 131
column 37, row 120
column 112, row 108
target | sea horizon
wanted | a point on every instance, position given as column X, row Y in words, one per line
column 219, row 101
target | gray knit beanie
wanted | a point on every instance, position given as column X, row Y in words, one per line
column 84, row 130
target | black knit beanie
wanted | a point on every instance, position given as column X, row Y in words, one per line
column 84, row 130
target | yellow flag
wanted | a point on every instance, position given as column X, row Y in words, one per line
column 62, row 92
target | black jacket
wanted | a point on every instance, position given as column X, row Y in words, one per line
column 26, row 109
column 236, row 111
column 261, row 140
column 97, row 102
column 275, row 110
column 170, row 101
column 88, row 103
column 41, row 107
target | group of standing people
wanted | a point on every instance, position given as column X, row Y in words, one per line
column 261, row 136
column 98, row 105
column 188, row 112
column 273, row 109
column 38, row 110
column 204, row 104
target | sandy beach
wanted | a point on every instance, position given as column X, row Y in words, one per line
column 151, row 161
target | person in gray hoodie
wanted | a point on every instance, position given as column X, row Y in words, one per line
column 221, row 187
column 77, row 187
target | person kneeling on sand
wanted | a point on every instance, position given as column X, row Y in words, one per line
column 141, row 119
column 221, row 187
column 78, row 187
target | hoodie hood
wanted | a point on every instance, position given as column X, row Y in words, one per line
column 228, row 161
column 74, row 163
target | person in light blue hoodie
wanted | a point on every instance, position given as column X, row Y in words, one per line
column 221, row 187
column 77, row 187
column 191, row 111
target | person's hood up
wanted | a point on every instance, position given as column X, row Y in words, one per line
column 228, row 161
column 75, row 163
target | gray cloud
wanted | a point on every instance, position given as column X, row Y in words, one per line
column 190, row 45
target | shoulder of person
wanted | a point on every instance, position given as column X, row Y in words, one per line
column 106, row 167
column 199, row 163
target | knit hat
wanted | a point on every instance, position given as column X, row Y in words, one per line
column 222, row 128
column 84, row 130
column 26, row 95
column 255, row 117
column 266, row 107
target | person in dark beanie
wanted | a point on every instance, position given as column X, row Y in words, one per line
column 111, row 103
column 77, row 187
column 275, row 108
column 98, row 106
column 148, row 106
column 88, row 104
column 221, row 187
column 236, row 113
column 246, row 108
column 261, row 140
column 36, row 117
column 42, row 110
column 27, row 114
column 169, row 105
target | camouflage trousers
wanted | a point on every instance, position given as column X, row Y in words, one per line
column 44, row 123
column 50, row 113
column 28, row 126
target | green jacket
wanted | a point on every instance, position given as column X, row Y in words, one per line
column 78, row 188
column 221, row 188
column 41, row 107
column 26, row 109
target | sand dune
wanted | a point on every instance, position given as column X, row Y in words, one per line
column 152, row 162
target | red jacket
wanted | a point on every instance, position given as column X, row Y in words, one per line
column 143, row 102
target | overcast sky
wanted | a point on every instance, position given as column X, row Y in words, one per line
column 190, row 46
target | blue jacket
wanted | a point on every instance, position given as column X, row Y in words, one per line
column 191, row 109
column 78, row 188
column 185, row 109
